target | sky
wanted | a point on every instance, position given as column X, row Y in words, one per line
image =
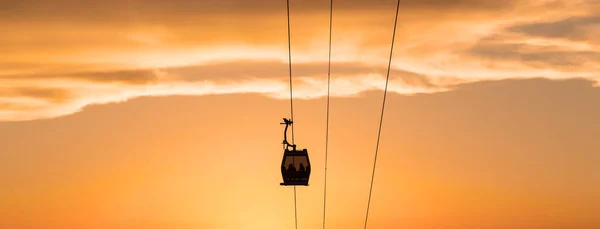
column 165, row 114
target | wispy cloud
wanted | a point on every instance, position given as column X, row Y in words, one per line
column 50, row 70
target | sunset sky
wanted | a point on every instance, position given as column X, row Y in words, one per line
column 164, row 114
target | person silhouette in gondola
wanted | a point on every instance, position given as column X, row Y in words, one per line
column 302, row 169
column 291, row 168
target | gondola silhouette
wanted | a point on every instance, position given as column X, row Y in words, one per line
column 295, row 166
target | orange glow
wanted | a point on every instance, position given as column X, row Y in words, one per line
column 164, row 114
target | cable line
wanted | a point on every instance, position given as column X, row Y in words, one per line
column 327, row 125
column 290, row 68
column 291, row 99
column 382, row 110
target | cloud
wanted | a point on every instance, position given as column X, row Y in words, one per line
column 223, row 71
column 143, row 76
column 234, row 70
column 56, row 95
column 538, row 56
column 94, row 10
column 52, row 66
column 580, row 28
column 556, row 44
column 69, row 93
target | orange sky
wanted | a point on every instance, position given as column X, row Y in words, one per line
column 164, row 114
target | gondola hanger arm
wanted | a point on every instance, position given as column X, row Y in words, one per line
column 287, row 123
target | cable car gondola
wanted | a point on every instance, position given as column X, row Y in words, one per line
column 295, row 166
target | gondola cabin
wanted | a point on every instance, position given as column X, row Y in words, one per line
column 295, row 167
